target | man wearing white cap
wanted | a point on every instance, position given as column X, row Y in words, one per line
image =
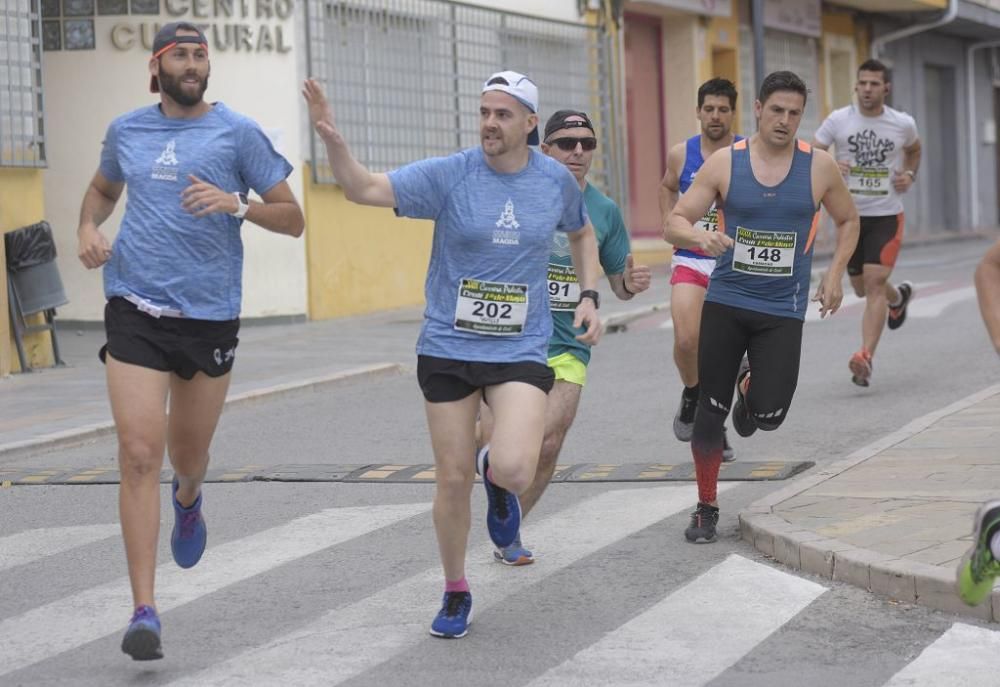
column 496, row 208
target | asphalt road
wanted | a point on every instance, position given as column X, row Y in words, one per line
column 329, row 583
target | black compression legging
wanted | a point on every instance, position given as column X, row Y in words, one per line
column 773, row 345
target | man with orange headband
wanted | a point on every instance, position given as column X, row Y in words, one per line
column 173, row 280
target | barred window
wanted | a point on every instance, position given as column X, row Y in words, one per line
column 404, row 76
column 781, row 51
column 22, row 142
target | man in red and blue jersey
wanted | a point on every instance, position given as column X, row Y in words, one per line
column 691, row 267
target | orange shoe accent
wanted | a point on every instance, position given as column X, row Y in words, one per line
column 861, row 367
column 745, row 385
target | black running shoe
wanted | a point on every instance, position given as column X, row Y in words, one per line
column 742, row 421
column 703, row 522
column 897, row 315
column 684, row 419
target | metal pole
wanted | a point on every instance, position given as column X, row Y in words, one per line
column 757, row 20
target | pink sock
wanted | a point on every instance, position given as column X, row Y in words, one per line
column 489, row 474
column 456, row 586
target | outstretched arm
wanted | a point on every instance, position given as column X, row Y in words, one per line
column 360, row 185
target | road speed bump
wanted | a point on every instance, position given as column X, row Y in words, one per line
column 773, row 470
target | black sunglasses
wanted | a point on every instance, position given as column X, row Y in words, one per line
column 568, row 143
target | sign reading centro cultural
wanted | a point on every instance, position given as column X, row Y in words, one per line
column 237, row 25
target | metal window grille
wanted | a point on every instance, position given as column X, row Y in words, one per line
column 22, row 142
column 781, row 51
column 404, row 77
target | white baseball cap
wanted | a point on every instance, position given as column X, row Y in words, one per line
column 520, row 88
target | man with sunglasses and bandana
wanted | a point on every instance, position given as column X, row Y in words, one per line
column 496, row 209
column 570, row 138
column 692, row 267
column 173, row 280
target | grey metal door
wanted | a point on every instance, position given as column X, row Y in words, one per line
column 940, row 149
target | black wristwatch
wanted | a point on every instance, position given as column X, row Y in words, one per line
column 592, row 295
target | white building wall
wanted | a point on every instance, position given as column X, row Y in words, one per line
column 566, row 10
column 85, row 89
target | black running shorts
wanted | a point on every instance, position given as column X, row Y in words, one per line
column 878, row 244
column 180, row 345
column 443, row 380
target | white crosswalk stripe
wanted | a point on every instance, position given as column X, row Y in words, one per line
column 35, row 635
column 348, row 641
column 964, row 656
column 732, row 607
column 32, row 545
column 934, row 305
column 850, row 300
column 921, row 307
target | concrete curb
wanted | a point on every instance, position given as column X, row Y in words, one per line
column 896, row 578
column 80, row 435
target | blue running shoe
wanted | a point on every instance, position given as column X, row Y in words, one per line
column 515, row 554
column 187, row 541
column 503, row 512
column 142, row 638
column 455, row 616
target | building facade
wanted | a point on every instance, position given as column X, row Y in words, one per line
column 404, row 77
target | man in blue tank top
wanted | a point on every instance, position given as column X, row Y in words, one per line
column 691, row 268
column 496, row 210
column 769, row 188
column 173, row 280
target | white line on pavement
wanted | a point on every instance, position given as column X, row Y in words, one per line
column 48, row 630
column 695, row 633
column 964, row 656
column 934, row 305
column 922, row 307
column 31, row 545
column 812, row 312
column 346, row 642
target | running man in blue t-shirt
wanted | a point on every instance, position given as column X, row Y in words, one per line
column 173, row 280
column 496, row 208
column 570, row 138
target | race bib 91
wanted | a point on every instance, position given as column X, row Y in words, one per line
column 764, row 253
column 868, row 181
column 564, row 287
column 491, row 308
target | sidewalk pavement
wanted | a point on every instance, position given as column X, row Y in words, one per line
column 894, row 517
column 64, row 406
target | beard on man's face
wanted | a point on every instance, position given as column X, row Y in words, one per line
column 172, row 86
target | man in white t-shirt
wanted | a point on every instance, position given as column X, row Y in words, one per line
column 878, row 151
